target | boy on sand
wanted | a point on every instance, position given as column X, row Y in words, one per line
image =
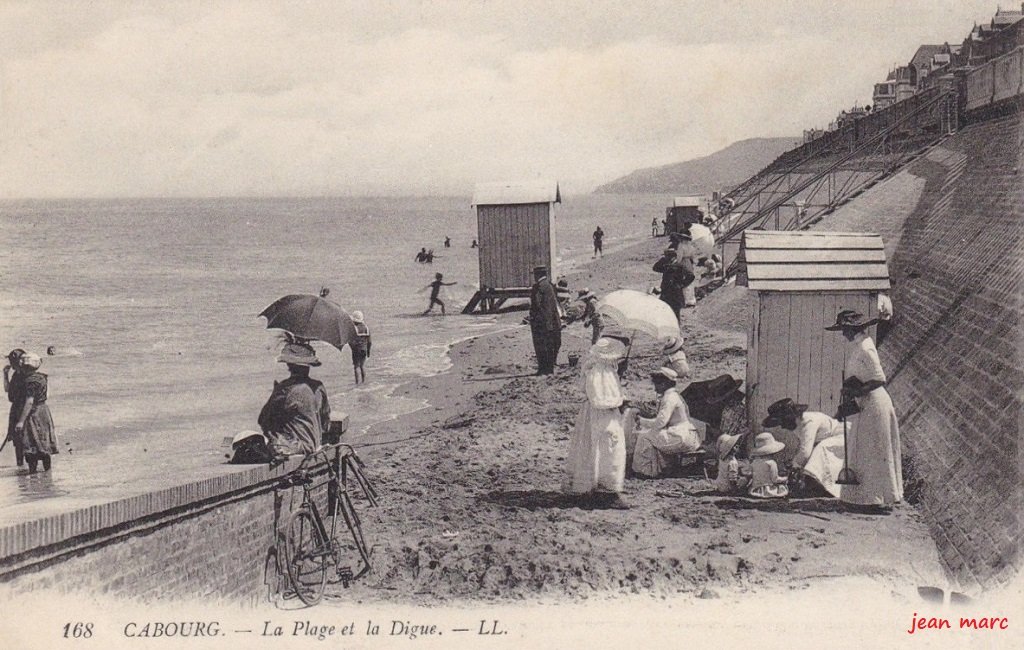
column 435, row 289
column 360, row 346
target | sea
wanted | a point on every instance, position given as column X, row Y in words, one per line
column 151, row 308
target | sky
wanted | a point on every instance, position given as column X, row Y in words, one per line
column 110, row 99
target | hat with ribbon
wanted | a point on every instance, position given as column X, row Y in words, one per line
column 765, row 444
column 674, row 344
column 608, row 349
column 357, row 316
column 851, row 320
column 726, row 444
column 298, row 354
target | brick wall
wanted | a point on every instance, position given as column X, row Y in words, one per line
column 956, row 253
column 206, row 540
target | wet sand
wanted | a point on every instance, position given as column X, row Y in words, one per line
column 471, row 506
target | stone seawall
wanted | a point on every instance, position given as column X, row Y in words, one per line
column 208, row 540
column 953, row 223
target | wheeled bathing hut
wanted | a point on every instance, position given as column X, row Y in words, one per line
column 515, row 232
column 801, row 281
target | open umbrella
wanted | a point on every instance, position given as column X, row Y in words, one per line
column 311, row 317
column 639, row 311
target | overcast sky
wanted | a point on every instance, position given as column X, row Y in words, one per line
column 423, row 97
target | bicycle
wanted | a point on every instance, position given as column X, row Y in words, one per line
column 308, row 543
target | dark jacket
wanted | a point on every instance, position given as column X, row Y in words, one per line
column 674, row 276
column 544, row 314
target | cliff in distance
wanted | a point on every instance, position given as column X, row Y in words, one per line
column 720, row 170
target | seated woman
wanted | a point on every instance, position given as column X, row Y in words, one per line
column 819, row 440
column 297, row 413
column 670, row 432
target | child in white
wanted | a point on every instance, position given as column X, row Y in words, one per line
column 733, row 474
column 766, row 482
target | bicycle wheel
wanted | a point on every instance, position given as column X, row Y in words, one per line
column 357, row 545
column 306, row 556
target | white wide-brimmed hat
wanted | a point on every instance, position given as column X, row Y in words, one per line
column 765, row 444
column 31, row 360
column 674, row 344
column 726, row 444
column 357, row 316
column 609, row 349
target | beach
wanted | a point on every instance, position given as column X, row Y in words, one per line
column 472, row 506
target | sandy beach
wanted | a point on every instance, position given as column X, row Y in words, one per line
column 472, row 507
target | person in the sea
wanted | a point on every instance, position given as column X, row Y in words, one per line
column 818, row 438
column 429, row 257
column 766, row 482
column 35, row 424
column 474, row 244
column 598, row 242
column 654, row 227
column 668, row 433
column 591, row 316
column 360, row 346
column 447, row 242
column 545, row 321
column 435, row 292
column 421, row 256
column 873, row 445
column 14, row 386
column 596, row 461
column 297, row 413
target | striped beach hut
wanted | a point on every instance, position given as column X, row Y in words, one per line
column 515, row 232
column 802, row 280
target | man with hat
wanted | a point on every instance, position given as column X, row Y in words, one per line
column 545, row 321
column 297, row 413
column 673, row 278
column 591, row 316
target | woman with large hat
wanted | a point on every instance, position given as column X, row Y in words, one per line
column 297, row 413
column 818, row 439
column 873, row 452
column 669, row 432
column 596, row 461
column 34, row 424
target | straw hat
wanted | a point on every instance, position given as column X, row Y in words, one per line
column 30, row 360
column 357, row 316
column 852, row 320
column 726, row 444
column 667, row 374
column 674, row 344
column 608, row 349
column 298, row 354
column 765, row 444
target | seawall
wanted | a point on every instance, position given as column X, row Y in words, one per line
column 214, row 539
column 953, row 225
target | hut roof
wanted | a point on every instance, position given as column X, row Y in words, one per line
column 772, row 260
column 686, row 202
column 516, row 193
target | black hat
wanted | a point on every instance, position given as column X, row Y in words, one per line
column 851, row 319
column 540, row 269
column 782, row 410
column 722, row 388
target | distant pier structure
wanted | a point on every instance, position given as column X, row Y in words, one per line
column 516, row 232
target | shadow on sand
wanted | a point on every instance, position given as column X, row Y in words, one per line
column 532, row 499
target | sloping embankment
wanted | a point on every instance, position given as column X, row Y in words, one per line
column 953, row 223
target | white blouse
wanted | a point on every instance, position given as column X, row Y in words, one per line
column 671, row 412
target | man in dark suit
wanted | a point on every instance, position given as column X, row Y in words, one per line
column 674, row 277
column 545, row 322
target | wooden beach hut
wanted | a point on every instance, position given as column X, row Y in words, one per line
column 802, row 280
column 684, row 210
column 515, row 233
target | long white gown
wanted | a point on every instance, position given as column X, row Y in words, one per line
column 820, row 449
column 670, row 432
column 873, row 439
column 597, row 447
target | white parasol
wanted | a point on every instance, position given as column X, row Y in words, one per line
column 642, row 312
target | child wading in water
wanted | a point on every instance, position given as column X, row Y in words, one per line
column 360, row 346
column 733, row 474
column 435, row 289
column 766, row 482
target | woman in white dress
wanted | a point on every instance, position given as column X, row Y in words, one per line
column 669, row 432
column 596, row 461
column 676, row 359
column 873, row 442
column 818, row 440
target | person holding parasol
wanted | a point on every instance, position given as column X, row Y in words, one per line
column 873, row 447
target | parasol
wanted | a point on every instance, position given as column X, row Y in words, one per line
column 642, row 312
column 311, row 317
column 702, row 243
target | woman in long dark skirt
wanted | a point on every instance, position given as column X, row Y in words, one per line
column 14, row 386
column 35, row 425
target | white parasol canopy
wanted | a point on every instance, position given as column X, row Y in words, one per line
column 635, row 310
